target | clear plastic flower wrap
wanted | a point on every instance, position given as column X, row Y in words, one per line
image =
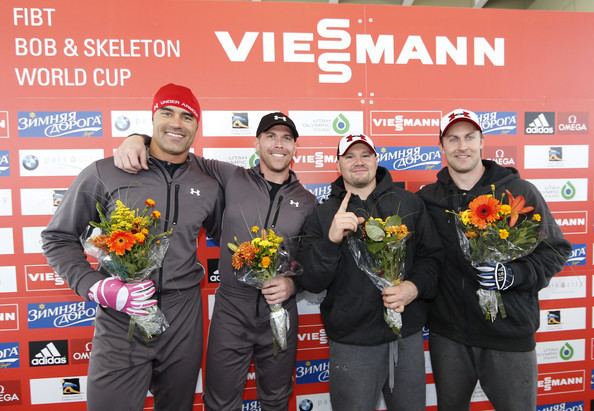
column 260, row 260
column 379, row 250
column 125, row 249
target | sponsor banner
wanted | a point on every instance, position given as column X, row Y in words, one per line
column 405, row 123
column 232, row 123
column 8, row 281
column 61, row 314
column 312, row 371
column 315, row 160
column 578, row 255
column 66, row 162
column 428, row 368
column 5, row 202
column 321, row 191
column 4, row 163
column 60, row 124
column 551, row 352
column 498, row 122
column 309, row 303
column 504, row 156
column 126, row 122
column 9, row 355
column 32, row 240
column 409, row 158
column 563, row 319
column 213, row 270
column 572, row 123
column 41, row 201
column 58, row 390
column 80, row 350
column 313, row 402
column 572, row 222
column 6, row 241
column 562, row 189
column 251, row 405
column 10, row 393
column 562, row 406
column 4, row 128
column 564, row 287
column 46, row 353
column 241, row 157
column 41, row 277
column 9, row 317
column 539, row 122
column 574, row 156
column 311, row 337
column 327, row 123
column 211, row 302
column 561, row 382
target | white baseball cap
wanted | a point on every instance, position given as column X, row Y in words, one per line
column 347, row 141
column 459, row 114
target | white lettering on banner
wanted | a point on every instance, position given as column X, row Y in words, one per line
column 32, row 16
column 333, row 36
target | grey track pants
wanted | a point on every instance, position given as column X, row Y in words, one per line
column 508, row 378
column 121, row 371
column 239, row 333
column 359, row 374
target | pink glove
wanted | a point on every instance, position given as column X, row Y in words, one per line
column 131, row 299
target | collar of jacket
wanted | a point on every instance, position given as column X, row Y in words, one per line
column 494, row 174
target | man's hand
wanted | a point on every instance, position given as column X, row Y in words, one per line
column 278, row 289
column 343, row 221
column 130, row 156
column 398, row 296
column 496, row 276
column 132, row 299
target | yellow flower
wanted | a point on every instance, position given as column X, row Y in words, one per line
column 470, row 234
column 156, row 214
column 465, row 217
column 139, row 238
column 503, row 234
column 536, row 217
column 505, row 209
column 254, row 229
column 265, row 262
column 150, row 202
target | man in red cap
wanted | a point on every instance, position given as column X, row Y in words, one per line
column 268, row 195
column 466, row 347
column 124, row 368
column 367, row 359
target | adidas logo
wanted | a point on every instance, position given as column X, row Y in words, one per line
column 543, row 123
column 49, row 355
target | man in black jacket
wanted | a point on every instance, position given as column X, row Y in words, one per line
column 366, row 356
column 464, row 345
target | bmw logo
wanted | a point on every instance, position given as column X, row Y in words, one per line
column 306, row 405
column 122, row 123
column 30, row 162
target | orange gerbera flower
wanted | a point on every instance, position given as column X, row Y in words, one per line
column 483, row 211
column 120, row 242
column 517, row 205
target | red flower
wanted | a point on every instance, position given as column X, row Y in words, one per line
column 517, row 207
column 120, row 242
column 483, row 211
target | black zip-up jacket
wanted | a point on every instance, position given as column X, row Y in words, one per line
column 353, row 310
column 187, row 200
column 455, row 312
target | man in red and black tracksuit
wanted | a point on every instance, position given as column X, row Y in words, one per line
column 122, row 370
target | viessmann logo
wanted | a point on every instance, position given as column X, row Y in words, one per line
column 338, row 48
column 561, row 382
column 405, row 123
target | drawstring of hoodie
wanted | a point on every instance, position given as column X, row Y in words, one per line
column 392, row 362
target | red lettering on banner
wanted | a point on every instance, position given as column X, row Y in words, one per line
column 42, row 278
column 9, row 317
column 405, row 123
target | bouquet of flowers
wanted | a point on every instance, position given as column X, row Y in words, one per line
column 495, row 231
column 379, row 250
column 124, row 247
column 262, row 259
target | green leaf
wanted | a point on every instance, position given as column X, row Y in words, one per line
column 374, row 230
column 393, row 220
